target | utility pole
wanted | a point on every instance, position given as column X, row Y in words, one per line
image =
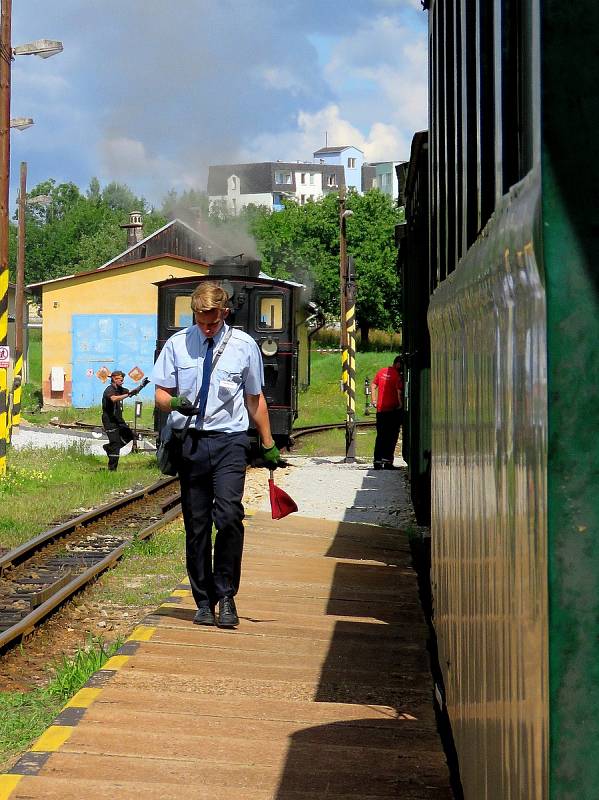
column 350, row 322
column 348, row 331
column 19, row 302
column 5, row 69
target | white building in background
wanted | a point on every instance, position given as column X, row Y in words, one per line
column 267, row 183
column 386, row 177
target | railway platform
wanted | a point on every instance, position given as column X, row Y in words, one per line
column 324, row 690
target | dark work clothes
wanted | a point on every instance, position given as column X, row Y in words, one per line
column 212, row 480
column 388, row 424
column 117, row 430
column 112, row 413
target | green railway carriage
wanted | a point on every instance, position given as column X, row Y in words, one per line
column 501, row 276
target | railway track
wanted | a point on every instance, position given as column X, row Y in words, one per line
column 40, row 574
column 311, row 429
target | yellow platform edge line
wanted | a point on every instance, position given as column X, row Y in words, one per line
column 143, row 633
column 8, row 783
column 116, row 662
column 181, row 593
column 52, row 739
column 83, row 698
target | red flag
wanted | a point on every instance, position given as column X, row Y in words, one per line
column 280, row 502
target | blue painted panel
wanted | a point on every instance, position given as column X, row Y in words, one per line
column 115, row 341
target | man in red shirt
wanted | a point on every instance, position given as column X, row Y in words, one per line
column 387, row 396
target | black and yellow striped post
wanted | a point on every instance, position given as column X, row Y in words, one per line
column 19, row 302
column 350, row 335
column 5, row 69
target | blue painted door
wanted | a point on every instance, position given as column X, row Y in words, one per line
column 114, row 341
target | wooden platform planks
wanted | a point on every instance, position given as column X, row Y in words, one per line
column 323, row 691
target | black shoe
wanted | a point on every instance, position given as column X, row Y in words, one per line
column 378, row 465
column 227, row 613
column 204, row 616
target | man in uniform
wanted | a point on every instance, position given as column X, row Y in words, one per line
column 117, row 430
column 387, row 391
column 212, row 375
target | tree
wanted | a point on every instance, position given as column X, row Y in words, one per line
column 302, row 242
column 74, row 232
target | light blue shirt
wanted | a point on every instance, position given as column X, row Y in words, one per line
column 239, row 370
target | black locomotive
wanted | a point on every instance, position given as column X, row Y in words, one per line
column 274, row 312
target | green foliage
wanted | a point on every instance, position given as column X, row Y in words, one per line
column 302, row 243
column 378, row 341
column 72, row 232
column 70, row 674
column 323, row 401
column 24, row 716
column 43, row 485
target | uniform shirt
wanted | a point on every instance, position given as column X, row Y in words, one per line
column 389, row 383
column 239, row 369
column 112, row 413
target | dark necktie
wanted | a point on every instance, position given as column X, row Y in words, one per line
column 206, row 378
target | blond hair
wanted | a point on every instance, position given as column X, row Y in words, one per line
column 209, row 296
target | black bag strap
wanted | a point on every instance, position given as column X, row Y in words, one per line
column 215, row 358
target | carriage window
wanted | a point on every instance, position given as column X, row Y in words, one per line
column 180, row 316
column 270, row 313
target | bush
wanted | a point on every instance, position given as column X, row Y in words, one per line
column 378, row 341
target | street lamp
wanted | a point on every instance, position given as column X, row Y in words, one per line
column 21, row 123
column 44, row 48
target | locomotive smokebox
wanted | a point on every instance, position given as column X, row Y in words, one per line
column 235, row 265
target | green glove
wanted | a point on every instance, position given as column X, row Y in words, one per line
column 183, row 406
column 271, row 455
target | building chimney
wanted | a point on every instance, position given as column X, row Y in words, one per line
column 134, row 228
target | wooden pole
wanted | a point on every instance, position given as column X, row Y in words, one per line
column 5, row 68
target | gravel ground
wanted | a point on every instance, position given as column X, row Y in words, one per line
column 43, row 437
column 328, row 488
column 323, row 487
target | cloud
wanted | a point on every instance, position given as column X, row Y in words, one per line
column 154, row 97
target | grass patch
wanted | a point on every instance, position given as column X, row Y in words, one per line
column 24, row 716
column 323, row 401
column 148, row 570
column 44, row 486
column 332, row 443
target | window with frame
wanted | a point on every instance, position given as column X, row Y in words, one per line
column 312, row 176
column 351, row 163
column 331, row 181
column 282, row 177
column 270, row 313
column 180, row 313
column 302, row 177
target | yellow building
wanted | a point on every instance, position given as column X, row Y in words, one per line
column 105, row 319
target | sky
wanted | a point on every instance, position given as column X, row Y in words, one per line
column 150, row 93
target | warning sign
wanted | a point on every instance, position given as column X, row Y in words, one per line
column 136, row 374
column 103, row 373
column 4, row 357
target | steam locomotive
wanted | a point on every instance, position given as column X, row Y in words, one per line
column 276, row 313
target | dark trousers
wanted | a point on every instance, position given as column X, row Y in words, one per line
column 118, row 436
column 212, row 477
column 388, row 424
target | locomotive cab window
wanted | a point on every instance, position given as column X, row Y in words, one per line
column 180, row 314
column 270, row 314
